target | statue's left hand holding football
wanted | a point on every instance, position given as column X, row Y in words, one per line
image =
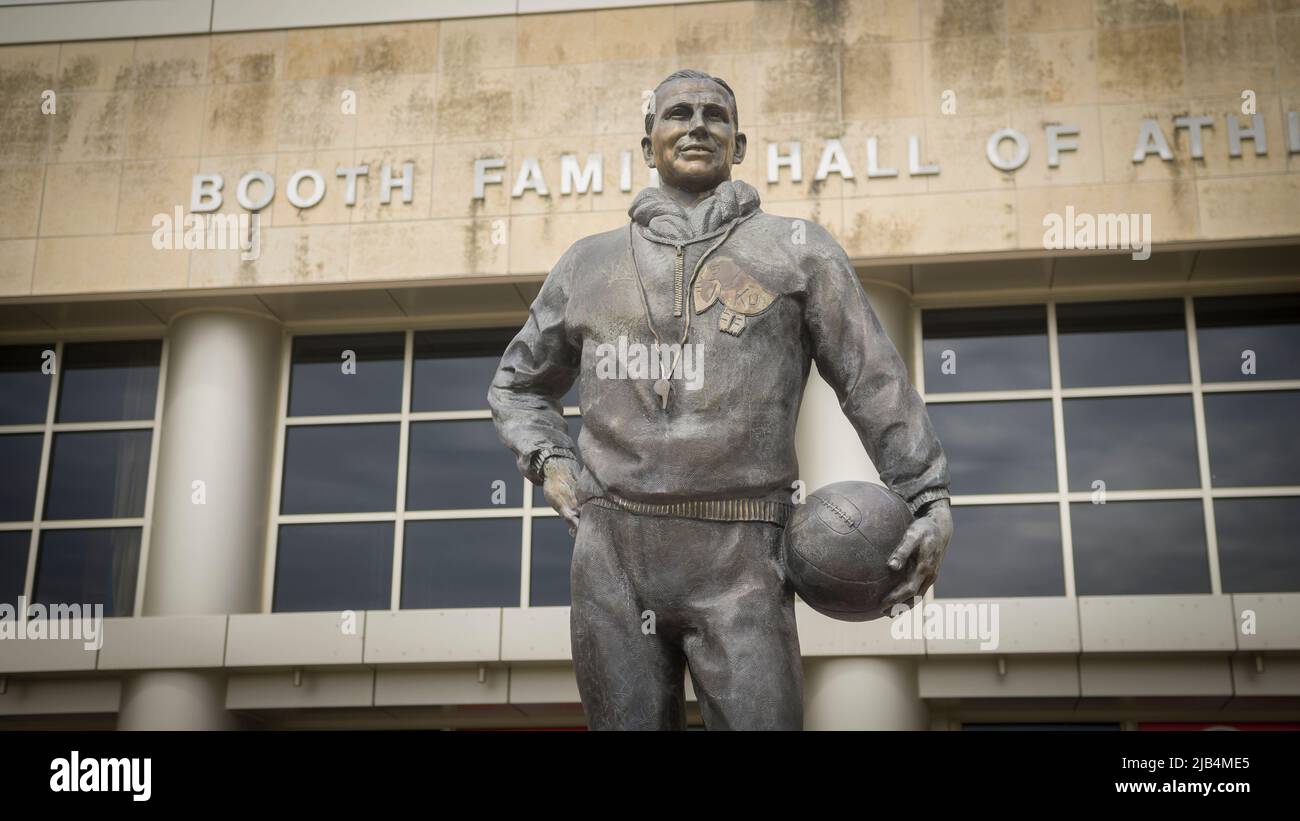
column 922, row 551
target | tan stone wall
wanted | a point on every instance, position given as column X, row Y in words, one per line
column 135, row 119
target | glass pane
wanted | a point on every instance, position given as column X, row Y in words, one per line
column 98, row 474
column 1003, row 550
column 105, row 381
column 574, row 424
column 93, row 566
column 985, row 349
column 325, row 379
column 1253, row 438
column 13, row 564
column 1139, row 548
column 1123, row 343
column 552, row 550
column 461, row 563
column 334, row 567
column 453, row 369
column 340, row 468
column 1267, row 326
column 455, row 465
column 20, row 462
column 1258, row 549
column 997, row 447
column 1131, row 443
column 572, row 399
column 24, row 389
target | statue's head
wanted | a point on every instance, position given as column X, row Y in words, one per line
column 692, row 131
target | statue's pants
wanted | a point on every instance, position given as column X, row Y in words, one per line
column 656, row 595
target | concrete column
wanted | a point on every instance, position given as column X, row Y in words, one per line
column 218, row 428
column 854, row 693
column 829, row 448
column 862, row 693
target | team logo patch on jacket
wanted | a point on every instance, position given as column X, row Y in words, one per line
column 721, row 280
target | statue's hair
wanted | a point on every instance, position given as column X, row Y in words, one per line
column 690, row 74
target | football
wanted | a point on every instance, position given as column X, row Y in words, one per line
column 837, row 545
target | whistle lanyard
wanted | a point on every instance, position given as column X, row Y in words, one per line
column 662, row 386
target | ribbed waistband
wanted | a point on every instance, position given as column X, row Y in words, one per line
column 713, row 510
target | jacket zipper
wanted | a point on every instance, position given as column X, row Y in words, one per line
column 679, row 264
column 679, row 273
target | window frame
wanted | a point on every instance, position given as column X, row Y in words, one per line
column 1063, row 496
column 404, row 418
column 50, row 427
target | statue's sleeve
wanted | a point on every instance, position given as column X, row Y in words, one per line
column 856, row 357
column 538, row 368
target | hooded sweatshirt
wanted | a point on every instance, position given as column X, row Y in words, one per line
column 755, row 298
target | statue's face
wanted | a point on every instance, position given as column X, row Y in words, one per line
column 693, row 141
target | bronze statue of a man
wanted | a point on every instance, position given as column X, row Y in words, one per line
column 680, row 487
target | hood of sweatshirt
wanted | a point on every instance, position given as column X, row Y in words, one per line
column 659, row 214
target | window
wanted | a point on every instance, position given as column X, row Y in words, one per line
column 1004, row 550
column 1119, row 448
column 991, row 366
column 1139, row 547
column 394, row 490
column 997, row 349
column 1122, row 343
column 1258, row 549
column 998, row 447
column 1248, row 338
column 77, row 425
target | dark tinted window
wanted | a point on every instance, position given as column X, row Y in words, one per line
column 455, row 465
column 24, row 388
column 461, row 563
column 1138, row 548
column 1253, row 438
column 325, row 381
column 1268, row 326
column 1122, row 343
column 997, row 447
column 20, row 462
column 1131, row 442
column 453, row 369
column 334, row 567
column 985, row 349
column 98, row 474
column 105, row 381
column 14, row 545
column 552, row 550
column 340, row 468
column 93, row 566
column 1003, row 550
column 572, row 398
column 1259, row 550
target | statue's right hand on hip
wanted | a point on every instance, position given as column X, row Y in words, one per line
column 561, row 490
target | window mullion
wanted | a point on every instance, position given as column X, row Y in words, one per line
column 273, row 514
column 1058, row 436
column 918, row 351
column 47, row 443
column 146, row 528
column 1202, row 448
column 403, row 449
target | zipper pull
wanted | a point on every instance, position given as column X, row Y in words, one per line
column 679, row 273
